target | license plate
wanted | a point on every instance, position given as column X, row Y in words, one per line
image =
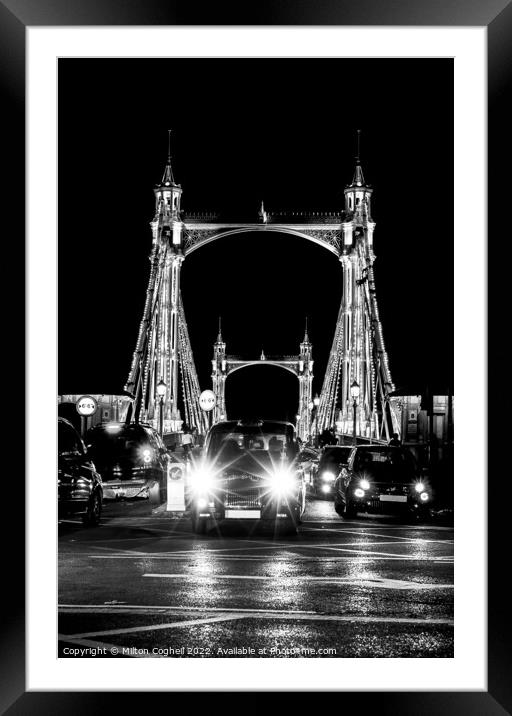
column 393, row 498
column 242, row 514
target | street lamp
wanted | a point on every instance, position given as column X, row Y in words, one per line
column 354, row 392
column 160, row 391
column 316, row 402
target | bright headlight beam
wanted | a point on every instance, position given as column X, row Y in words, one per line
column 364, row 484
column 147, row 455
column 283, row 481
column 419, row 487
column 201, row 479
column 328, row 476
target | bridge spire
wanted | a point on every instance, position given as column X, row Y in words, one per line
column 168, row 198
column 306, row 337
column 358, row 194
column 219, row 337
column 358, row 179
column 168, row 176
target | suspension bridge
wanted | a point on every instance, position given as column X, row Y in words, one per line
column 357, row 390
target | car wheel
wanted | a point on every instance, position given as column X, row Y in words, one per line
column 339, row 507
column 93, row 514
column 350, row 511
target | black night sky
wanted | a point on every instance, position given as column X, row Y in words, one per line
column 247, row 130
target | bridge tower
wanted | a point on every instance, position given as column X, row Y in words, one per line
column 163, row 344
column 305, row 374
column 300, row 365
column 219, row 375
column 358, row 357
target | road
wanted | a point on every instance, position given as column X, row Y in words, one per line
column 143, row 585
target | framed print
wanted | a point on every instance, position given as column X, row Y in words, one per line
column 275, row 157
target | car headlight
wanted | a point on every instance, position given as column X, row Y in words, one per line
column 283, row 482
column 358, row 492
column 419, row 487
column 364, row 484
column 328, row 476
column 147, row 455
column 201, row 479
column 424, row 496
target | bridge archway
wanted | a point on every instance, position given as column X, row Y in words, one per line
column 327, row 236
column 264, row 379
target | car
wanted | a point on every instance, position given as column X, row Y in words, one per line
column 308, row 459
column 79, row 485
column 248, row 471
column 381, row 479
column 332, row 458
column 132, row 459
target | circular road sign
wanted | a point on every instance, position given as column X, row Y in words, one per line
column 86, row 405
column 207, row 400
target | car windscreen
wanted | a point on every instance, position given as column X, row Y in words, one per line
column 233, row 443
column 391, row 465
column 127, row 447
column 335, row 456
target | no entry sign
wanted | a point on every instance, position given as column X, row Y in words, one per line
column 86, row 405
column 207, row 400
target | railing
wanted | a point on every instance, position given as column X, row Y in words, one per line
column 245, row 359
column 277, row 217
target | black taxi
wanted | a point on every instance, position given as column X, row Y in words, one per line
column 248, row 471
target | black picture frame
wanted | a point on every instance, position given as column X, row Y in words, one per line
column 15, row 16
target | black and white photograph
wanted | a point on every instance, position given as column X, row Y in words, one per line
column 255, row 358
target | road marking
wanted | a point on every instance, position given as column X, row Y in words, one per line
column 336, row 547
column 278, row 558
column 369, row 553
column 414, row 540
column 378, row 582
column 135, row 609
column 211, row 551
column 344, row 526
column 178, row 552
column 157, row 627
column 235, row 615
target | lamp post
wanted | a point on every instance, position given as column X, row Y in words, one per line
column 160, row 391
column 316, row 402
column 354, row 392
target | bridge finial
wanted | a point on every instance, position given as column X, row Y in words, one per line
column 262, row 356
column 358, row 179
column 168, row 177
column 219, row 337
column 306, row 337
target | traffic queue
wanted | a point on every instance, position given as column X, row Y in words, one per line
column 246, row 470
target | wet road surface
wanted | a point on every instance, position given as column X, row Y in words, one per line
column 143, row 585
